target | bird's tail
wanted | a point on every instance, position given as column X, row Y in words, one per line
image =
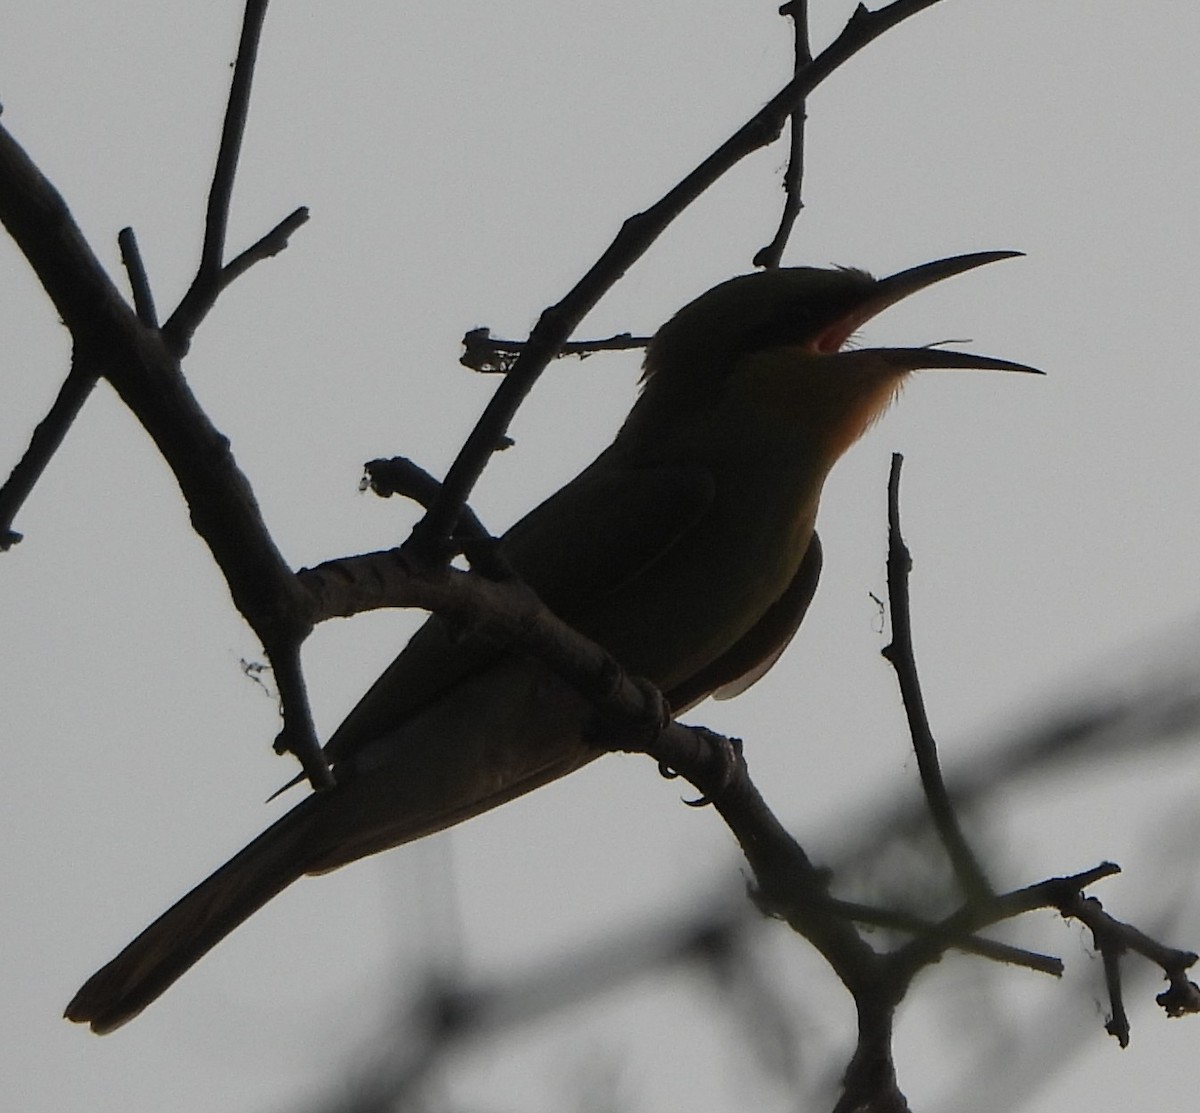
column 190, row 928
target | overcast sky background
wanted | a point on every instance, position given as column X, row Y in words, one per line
column 464, row 165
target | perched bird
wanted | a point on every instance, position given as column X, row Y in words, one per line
column 686, row 549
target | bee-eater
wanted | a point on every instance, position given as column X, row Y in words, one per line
column 686, row 549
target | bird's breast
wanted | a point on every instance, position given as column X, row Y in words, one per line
column 712, row 585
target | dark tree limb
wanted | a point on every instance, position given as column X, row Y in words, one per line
column 788, row 886
column 19, row 175
column 142, row 364
column 111, row 341
column 637, row 235
column 50, row 432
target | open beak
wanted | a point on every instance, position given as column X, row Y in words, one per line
column 888, row 291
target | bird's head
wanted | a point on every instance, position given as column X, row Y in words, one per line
column 775, row 339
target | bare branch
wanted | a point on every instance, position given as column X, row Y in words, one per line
column 110, row 340
column 1113, row 938
column 402, row 476
column 207, row 284
column 901, row 656
column 637, row 234
column 969, row 944
column 271, row 244
column 299, row 735
column 491, row 355
column 46, row 440
column 793, row 176
column 139, row 283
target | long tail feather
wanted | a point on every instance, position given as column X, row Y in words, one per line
column 183, row 934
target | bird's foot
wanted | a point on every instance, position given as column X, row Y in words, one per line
column 727, row 754
column 633, row 725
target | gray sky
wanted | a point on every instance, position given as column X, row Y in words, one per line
column 464, row 166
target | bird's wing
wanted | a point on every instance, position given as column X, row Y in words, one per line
column 749, row 658
column 583, row 543
column 604, row 529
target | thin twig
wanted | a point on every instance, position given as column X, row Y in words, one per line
column 139, row 283
column 232, row 132
column 1113, row 938
column 490, row 355
column 207, row 283
column 793, row 176
column 265, row 246
column 47, row 437
column 906, row 961
column 896, row 920
column 184, row 321
column 901, row 656
column 1117, row 1024
column 299, row 735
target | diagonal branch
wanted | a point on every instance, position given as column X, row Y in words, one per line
column 111, row 341
column 139, row 281
column 46, row 440
column 637, row 235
